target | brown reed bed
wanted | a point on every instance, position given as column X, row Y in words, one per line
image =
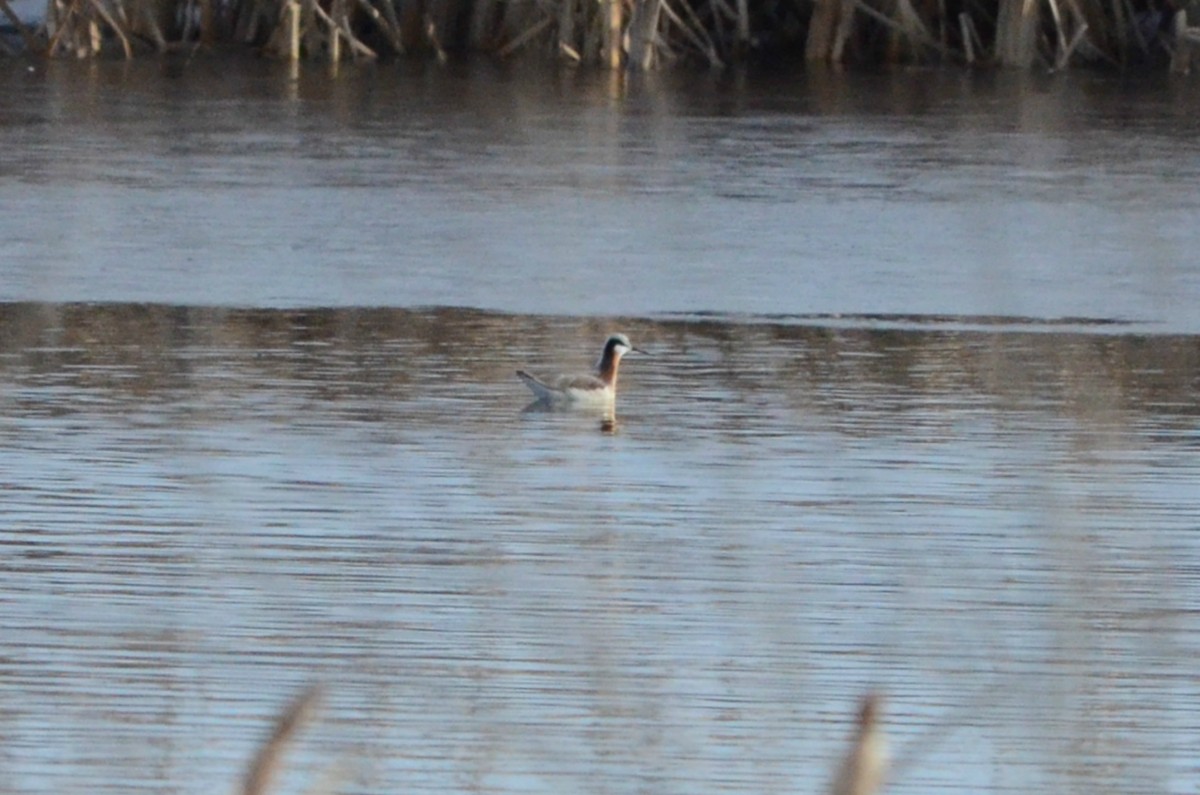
column 634, row 34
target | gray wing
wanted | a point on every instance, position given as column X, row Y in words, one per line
column 582, row 383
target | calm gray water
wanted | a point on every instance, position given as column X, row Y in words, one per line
column 921, row 417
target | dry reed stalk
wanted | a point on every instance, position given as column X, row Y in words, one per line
column 483, row 22
column 26, row 34
column 845, row 29
column 698, row 36
column 593, row 38
column 62, row 21
column 267, row 761
column 723, row 8
column 520, row 41
column 383, row 24
column 1181, row 57
column 331, row 20
column 913, row 25
column 1016, row 33
column 149, row 27
column 865, row 765
column 310, row 33
column 359, row 49
column 969, row 36
column 431, row 34
column 743, row 24
column 1123, row 16
column 613, row 24
column 112, row 23
column 1079, row 37
column 822, row 27
column 914, row 29
column 566, row 28
column 293, row 12
column 208, row 22
column 943, row 38
column 643, row 27
column 1060, row 34
column 393, row 20
column 1081, row 20
column 718, row 27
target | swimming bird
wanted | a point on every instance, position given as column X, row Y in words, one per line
column 595, row 389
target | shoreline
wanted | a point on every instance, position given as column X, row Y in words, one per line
column 622, row 35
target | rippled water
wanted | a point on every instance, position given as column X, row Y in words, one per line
column 919, row 192
column 997, row 529
column 920, row 417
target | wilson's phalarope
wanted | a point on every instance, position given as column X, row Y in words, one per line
column 596, row 389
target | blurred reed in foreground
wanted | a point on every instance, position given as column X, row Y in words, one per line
column 268, row 762
column 862, row 771
column 636, row 34
column 864, row 768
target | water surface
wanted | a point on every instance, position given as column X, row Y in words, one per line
column 921, row 417
column 997, row 529
column 919, row 192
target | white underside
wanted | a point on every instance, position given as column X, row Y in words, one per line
column 545, row 393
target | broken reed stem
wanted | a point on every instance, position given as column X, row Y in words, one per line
column 266, row 762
